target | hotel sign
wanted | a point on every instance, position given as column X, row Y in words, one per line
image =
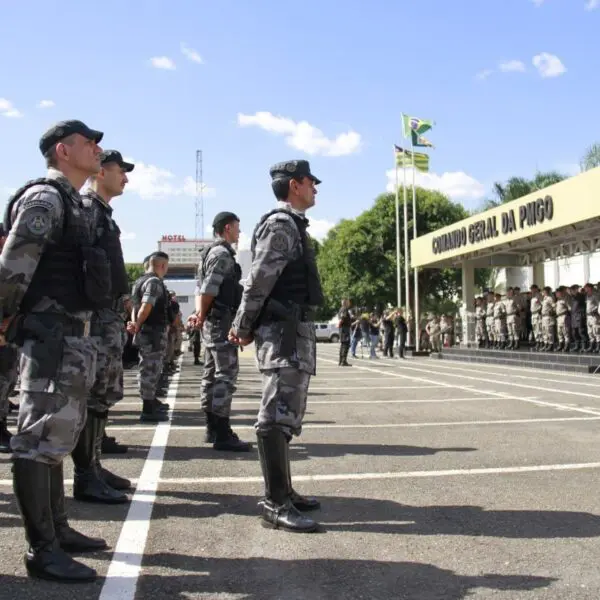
column 173, row 238
column 523, row 217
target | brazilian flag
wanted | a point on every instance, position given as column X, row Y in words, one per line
column 415, row 125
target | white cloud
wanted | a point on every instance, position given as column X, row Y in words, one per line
column 512, row 65
column 457, row 185
column 592, row 4
column 302, row 135
column 46, row 104
column 8, row 110
column 484, row 74
column 318, row 228
column 538, row 2
column 191, row 54
column 129, row 235
column 150, row 181
column 548, row 65
column 243, row 241
column 162, row 62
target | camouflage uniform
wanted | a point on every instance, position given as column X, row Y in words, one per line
column 480, row 329
column 500, row 322
column 151, row 340
column 221, row 365
column 489, row 321
column 55, row 381
column 536, row 318
column 512, row 321
column 593, row 320
column 548, row 321
column 9, row 363
column 434, row 331
column 563, row 320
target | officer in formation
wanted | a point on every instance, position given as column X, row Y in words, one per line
column 513, row 319
column 536, row 316
column 218, row 296
column 481, row 335
column 434, row 332
column 92, row 482
column 150, row 318
column 489, row 320
column 499, row 321
column 345, row 319
column 9, row 356
column 277, row 308
column 51, row 277
column 579, row 332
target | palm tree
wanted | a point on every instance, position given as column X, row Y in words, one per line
column 591, row 158
column 517, row 187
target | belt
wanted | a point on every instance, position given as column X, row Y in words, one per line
column 71, row 326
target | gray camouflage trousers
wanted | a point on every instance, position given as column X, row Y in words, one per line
column 480, row 331
column 513, row 323
column 283, row 403
column 55, row 383
column 9, row 361
column 500, row 329
column 563, row 329
column 107, row 330
column 536, row 325
column 491, row 330
column 221, row 368
column 593, row 328
column 152, row 346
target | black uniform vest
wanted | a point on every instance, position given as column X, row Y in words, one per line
column 299, row 281
column 230, row 291
column 110, row 241
column 60, row 272
column 158, row 317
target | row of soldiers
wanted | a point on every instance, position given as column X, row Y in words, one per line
column 563, row 320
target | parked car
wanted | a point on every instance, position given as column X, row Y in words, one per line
column 327, row 332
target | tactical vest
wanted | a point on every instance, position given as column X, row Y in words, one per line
column 299, row 281
column 60, row 271
column 230, row 290
column 158, row 316
column 110, row 241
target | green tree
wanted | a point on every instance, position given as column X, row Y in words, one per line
column 134, row 271
column 591, row 158
column 517, row 187
column 358, row 257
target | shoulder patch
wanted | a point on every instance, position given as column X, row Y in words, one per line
column 38, row 222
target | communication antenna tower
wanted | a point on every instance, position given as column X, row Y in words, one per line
column 199, row 232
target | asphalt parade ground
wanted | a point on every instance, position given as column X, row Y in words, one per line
column 438, row 480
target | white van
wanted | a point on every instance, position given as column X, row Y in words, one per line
column 327, row 332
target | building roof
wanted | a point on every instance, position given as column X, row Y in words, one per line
column 560, row 220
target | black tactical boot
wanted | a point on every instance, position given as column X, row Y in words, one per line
column 567, row 347
column 517, row 345
column 111, row 446
column 210, row 434
column 69, row 539
column 45, row 558
column 5, row 436
column 302, row 503
column 112, row 480
column 152, row 414
column 278, row 511
column 226, row 439
column 88, row 485
column 558, row 348
column 509, row 345
column 197, row 361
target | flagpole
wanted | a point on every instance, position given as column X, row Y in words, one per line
column 415, row 270
column 398, row 267
column 406, row 261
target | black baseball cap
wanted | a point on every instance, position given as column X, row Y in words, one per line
column 114, row 156
column 293, row 168
column 59, row 131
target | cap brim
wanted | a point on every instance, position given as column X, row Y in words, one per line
column 316, row 180
column 127, row 167
column 92, row 134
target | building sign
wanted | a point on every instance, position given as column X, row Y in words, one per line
column 526, row 215
column 173, row 238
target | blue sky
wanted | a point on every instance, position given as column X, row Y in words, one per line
column 341, row 68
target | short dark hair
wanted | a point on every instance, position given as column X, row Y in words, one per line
column 281, row 186
column 50, row 157
column 220, row 227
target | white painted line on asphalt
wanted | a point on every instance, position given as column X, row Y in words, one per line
column 329, row 402
column 381, row 426
column 354, row 387
column 389, row 475
column 534, row 377
column 505, row 382
column 124, row 569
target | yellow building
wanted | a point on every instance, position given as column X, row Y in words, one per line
column 560, row 221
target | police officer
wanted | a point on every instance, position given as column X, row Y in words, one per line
column 50, row 279
column 489, row 320
column 218, row 296
column 345, row 319
column 536, row 316
column 280, row 295
column 499, row 322
column 149, row 328
column 480, row 330
column 93, row 483
column 513, row 319
column 548, row 319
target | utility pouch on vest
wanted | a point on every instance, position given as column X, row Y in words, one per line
column 289, row 318
column 49, row 352
column 96, row 276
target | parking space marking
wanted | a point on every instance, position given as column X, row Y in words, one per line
column 380, row 426
column 490, row 392
column 391, row 475
column 125, row 566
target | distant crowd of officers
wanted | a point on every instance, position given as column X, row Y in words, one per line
column 562, row 320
